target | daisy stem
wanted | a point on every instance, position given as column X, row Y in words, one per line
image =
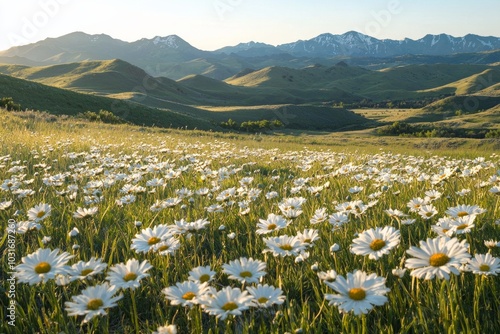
column 134, row 311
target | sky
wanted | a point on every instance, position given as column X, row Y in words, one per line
column 213, row 24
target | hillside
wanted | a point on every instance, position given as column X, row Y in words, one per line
column 32, row 95
column 101, row 77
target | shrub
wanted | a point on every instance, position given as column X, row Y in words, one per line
column 9, row 104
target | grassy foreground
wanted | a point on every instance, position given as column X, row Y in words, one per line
column 70, row 165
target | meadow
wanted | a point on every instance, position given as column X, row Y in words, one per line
column 127, row 229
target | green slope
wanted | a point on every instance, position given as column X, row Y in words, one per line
column 102, row 77
column 32, row 95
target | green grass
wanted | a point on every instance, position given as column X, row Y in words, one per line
column 36, row 96
column 86, row 152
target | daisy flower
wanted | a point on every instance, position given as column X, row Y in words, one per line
column 463, row 210
column 228, row 301
column 395, row 213
column 185, row 293
column 320, row 215
column 42, row 266
column 437, row 257
column 266, row 295
column 400, row 272
column 415, row 204
column 284, row 245
column 338, row 219
column 167, row 329
column 376, row 242
column 463, row 225
column 491, row 243
column 167, row 246
column 272, row 223
column 358, row 292
column 124, row 276
column 201, row 274
column 149, row 237
column 427, row 211
column 432, row 195
column 355, row 189
column 308, row 236
column 327, row 276
column 484, row 264
column 245, row 270
column 39, row 212
column 5, row 205
column 85, row 212
column 92, row 302
column 82, row 270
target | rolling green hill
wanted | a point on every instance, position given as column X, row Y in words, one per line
column 32, row 95
column 473, row 84
column 101, row 77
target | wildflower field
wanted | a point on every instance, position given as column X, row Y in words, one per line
column 119, row 229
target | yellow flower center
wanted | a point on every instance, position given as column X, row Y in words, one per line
column 85, row 272
column 348, row 208
column 163, row 248
column 462, row 214
column 204, row 278
column 94, row 304
column 271, row 226
column 153, row 240
column 484, row 267
column 229, row 306
column 461, row 227
column 42, row 268
column 129, row 277
column 357, row 294
column 262, row 300
column 377, row 244
column 40, row 214
column 188, row 295
column 428, row 214
column 246, row 274
column 307, row 241
column 438, row 259
column 286, row 247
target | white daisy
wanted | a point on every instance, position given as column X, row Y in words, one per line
column 186, row 293
column 201, row 274
column 272, row 223
column 92, row 302
column 245, row 270
column 128, row 275
column 284, row 245
column 437, row 257
column 484, row 264
column 308, row 236
column 320, row 215
column 228, row 301
column 85, row 212
column 42, row 266
column 82, row 270
column 376, row 242
column 358, row 292
column 39, row 212
column 266, row 295
column 149, row 237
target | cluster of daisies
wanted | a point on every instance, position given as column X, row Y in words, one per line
column 45, row 264
column 240, row 190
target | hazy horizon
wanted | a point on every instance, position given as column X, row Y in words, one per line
column 210, row 25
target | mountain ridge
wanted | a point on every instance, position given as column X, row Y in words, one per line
column 171, row 56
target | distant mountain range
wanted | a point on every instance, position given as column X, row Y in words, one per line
column 173, row 57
